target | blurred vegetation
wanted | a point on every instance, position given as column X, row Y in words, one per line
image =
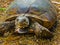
column 2, row 9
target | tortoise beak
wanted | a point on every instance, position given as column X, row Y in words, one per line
column 21, row 31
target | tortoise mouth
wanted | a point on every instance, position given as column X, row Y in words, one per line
column 19, row 30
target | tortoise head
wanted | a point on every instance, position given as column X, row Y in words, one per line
column 22, row 22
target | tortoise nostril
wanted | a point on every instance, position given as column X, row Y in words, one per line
column 24, row 20
column 17, row 19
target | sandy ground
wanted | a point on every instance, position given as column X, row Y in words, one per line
column 29, row 39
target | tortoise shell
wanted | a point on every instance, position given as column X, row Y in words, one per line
column 41, row 11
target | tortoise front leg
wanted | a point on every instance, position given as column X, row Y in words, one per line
column 6, row 26
column 39, row 30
